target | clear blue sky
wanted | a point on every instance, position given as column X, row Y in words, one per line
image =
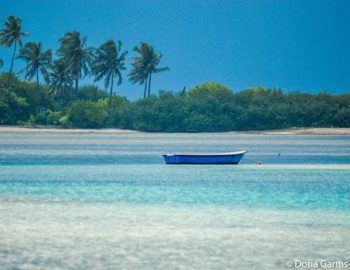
column 289, row 44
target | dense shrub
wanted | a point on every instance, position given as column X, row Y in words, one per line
column 86, row 113
column 91, row 92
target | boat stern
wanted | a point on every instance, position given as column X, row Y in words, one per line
column 169, row 158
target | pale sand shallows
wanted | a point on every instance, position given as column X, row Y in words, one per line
column 292, row 131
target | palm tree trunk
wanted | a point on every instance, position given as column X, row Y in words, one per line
column 110, row 91
column 26, row 75
column 37, row 76
column 13, row 56
column 149, row 84
column 145, row 90
column 13, row 59
column 61, row 91
column 76, row 87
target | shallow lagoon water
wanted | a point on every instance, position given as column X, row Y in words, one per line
column 107, row 201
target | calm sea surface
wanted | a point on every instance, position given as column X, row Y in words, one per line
column 107, row 201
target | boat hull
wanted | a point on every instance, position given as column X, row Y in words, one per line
column 221, row 158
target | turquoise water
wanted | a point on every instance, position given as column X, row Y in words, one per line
column 107, row 201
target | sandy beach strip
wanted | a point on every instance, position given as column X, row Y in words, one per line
column 16, row 129
column 306, row 131
column 292, row 131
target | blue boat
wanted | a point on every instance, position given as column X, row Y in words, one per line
column 218, row 158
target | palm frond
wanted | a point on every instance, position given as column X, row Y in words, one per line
column 108, row 62
column 145, row 63
column 73, row 50
column 12, row 32
column 35, row 58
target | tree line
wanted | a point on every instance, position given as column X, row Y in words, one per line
column 61, row 101
column 207, row 107
column 75, row 60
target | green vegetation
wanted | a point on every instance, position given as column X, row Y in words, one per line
column 60, row 101
column 208, row 107
column 76, row 60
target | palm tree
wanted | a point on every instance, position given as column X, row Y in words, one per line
column 36, row 59
column 108, row 63
column 139, row 73
column 12, row 34
column 78, row 57
column 145, row 65
column 59, row 78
